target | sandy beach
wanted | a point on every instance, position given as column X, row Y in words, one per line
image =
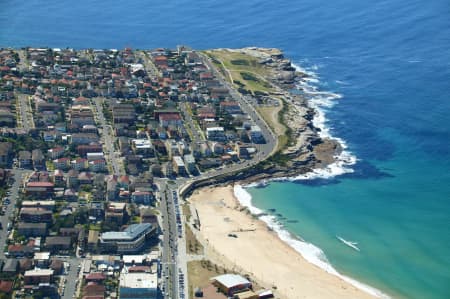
column 259, row 252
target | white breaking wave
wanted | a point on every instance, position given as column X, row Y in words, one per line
column 320, row 101
column 308, row 251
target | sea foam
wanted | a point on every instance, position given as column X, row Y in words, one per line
column 308, row 251
column 320, row 101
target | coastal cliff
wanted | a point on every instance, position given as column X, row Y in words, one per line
column 278, row 97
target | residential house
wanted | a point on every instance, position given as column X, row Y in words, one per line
column 178, row 166
column 189, row 162
column 36, row 215
column 115, row 212
column 80, row 164
column 25, row 159
column 98, row 165
column 92, row 241
column 38, row 276
column 32, row 229
column 85, row 178
column 44, row 204
column 230, row 107
column 142, row 197
column 62, row 163
column 112, row 189
column 38, row 159
column 84, row 138
column 215, row 134
column 58, row 178
column 6, row 154
column 170, row 119
column 11, row 266
column 18, row 250
column 84, row 149
column 72, row 178
column 39, row 189
column 55, row 244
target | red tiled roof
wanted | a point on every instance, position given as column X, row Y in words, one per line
column 6, row 286
column 15, row 247
column 139, row 269
column 95, row 276
column 174, row 116
column 40, row 184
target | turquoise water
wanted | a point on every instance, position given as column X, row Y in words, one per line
column 400, row 222
column 390, row 62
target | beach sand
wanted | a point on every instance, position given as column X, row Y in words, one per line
column 259, row 252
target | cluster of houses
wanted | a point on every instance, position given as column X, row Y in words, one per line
column 143, row 109
column 70, row 203
column 99, row 276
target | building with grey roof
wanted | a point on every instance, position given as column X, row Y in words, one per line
column 131, row 240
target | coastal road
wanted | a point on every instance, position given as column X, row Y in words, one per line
column 169, row 260
column 264, row 150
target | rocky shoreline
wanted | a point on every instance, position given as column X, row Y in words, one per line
column 306, row 150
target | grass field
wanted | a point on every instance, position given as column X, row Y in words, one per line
column 243, row 68
column 200, row 272
column 247, row 73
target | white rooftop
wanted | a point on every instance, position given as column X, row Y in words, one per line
column 137, row 259
column 39, row 272
column 214, row 129
column 42, row 255
column 231, row 280
column 139, row 280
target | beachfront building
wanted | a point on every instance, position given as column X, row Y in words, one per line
column 230, row 284
column 138, row 285
column 131, row 240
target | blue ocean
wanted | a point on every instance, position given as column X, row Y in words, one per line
column 380, row 76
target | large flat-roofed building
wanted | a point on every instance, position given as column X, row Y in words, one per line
column 38, row 276
column 35, row 215
column 138, row 285
column 131, row 240
column 32, row 229
column 39, row 189
column 230, row 284
column 44, row 204
column 215, row 134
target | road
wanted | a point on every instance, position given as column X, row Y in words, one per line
column 73, row 277
column 149, row 65
column 111, row 156
column 264, row 150
column 169, row 241
column 189, row 122
column 174, row 250
column 25, row 112
column 5, row 219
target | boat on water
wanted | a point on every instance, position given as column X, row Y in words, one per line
column 349, row 243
